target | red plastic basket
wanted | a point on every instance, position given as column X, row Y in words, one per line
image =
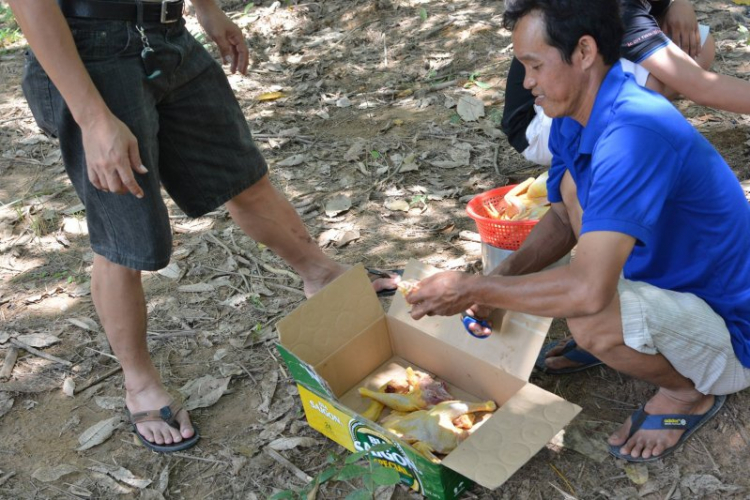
column 508, row 235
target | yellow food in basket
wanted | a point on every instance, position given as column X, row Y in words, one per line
column 526, row 201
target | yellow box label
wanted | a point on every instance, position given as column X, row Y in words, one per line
column 323, row 417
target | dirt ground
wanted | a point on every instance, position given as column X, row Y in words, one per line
column 369, row 112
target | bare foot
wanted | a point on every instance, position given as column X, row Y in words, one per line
column 159, row 432
column 652, row 443
column 317, row 279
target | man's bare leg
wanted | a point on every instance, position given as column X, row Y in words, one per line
column 268, row 217
column 602, row 335
column 119, row 300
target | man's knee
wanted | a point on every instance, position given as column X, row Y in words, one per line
column 595, row 333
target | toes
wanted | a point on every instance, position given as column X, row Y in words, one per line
column 186, row 427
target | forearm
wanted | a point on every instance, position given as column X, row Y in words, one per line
column 556, row 292
column 50, row 39
column 549, row 241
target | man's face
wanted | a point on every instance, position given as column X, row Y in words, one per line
column 557, row 85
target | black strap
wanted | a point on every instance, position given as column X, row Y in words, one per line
column 120, row 11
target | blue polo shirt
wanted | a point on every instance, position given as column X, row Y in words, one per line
column 641, row 169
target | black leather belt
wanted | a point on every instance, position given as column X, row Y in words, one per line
column 153, row 12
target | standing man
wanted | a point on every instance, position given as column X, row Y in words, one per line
column 137, row 104
column 659, row 288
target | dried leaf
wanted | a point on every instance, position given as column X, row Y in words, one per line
column 356, row 150
column 401, row 205
column 110, row 402
column 267, row 390
column 293, row 161
column 283, row 444
column 204, row 392
column 196, row 288
column 38, row 339
column 85, row 323
column 98, row 433
column 6, row 403
column 49, row 474
column 338, row 204
column 69, row 387
column 469, row 108
column 344, row 102
column 271, row 96
column 123, row 475
column 637, row 473
column 172, row 271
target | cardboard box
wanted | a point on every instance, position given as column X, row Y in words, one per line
column 341, row 339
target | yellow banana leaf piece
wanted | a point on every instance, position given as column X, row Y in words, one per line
column 271, row 96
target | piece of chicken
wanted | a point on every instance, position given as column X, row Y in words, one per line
column 376, row 407
column 424, row 392
column 434, row 431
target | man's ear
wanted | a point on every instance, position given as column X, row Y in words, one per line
column 588, row 50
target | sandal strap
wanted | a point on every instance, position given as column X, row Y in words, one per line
column 167, row 414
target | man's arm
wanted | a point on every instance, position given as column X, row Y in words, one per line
column 226, row 35
column 680, row 24
column 550, row 240
column 111, row 150
column 678, row 71
column 584, row 287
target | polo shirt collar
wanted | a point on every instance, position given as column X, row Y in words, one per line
column 601, row 113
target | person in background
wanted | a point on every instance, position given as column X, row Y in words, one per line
column 138, row 103
column 659, row 288
column 663, row 47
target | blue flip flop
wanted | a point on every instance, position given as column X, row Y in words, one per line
column 691, row 423
column 377, row 273
column 571, row 352
column 468, row 320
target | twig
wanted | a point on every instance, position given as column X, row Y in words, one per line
column 9, row 363
column 37, row 352
column 494, row 161
column 5, row 477
column 201, row 459
column 672, row 490
column 565, row 480
column 713, row 462
column 98, row 379
column 167, row 334
column 286, row 463
column 613, row 400
column 102, row 353
column 286, row 288
column 442, row 85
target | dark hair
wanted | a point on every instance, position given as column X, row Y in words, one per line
column 566, row 21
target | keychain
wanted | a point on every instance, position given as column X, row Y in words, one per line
column 148, row 55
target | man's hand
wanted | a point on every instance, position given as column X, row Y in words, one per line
column 226, row 35
column 443, row 294
column 681, row 25
column 112, row 156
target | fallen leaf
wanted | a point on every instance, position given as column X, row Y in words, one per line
column 337, row 204
column 38, row 339
column 470, row 108
column 355, row 150
column 204, row 392
column 267, row 390
column 110, row 402
column 173, row 271
column 271, row 96
column 123, row 475
column 98, row 433
column 197, row 288
column 637, row 473
column 292, row 161
column 344, row 102
column 6, row 403
column 85, row 323
column 283, row 444
column 401, row 205
column 49, row 474
column 69, row 387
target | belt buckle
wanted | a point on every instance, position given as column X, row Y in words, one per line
column 163, row 18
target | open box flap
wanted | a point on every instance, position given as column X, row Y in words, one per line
column 513, row 347
column 331, row 318
column 514, row 434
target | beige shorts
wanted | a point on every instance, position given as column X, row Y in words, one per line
column 686, row 331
